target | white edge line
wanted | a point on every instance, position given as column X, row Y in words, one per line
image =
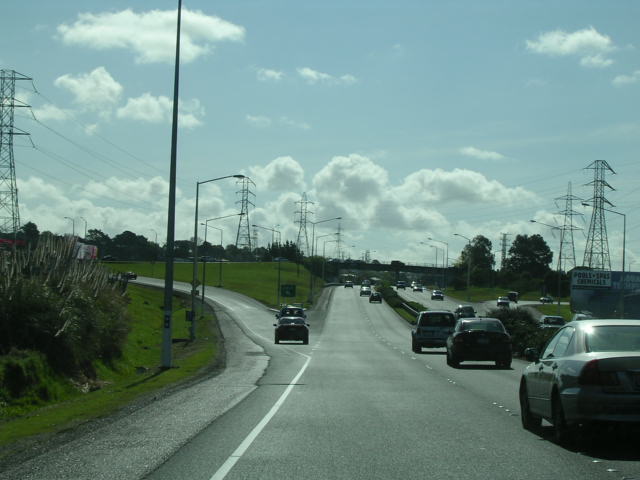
column 246, row 443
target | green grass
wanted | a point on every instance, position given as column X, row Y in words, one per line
column 258, row 280
column 483, row 294
column 136, row 374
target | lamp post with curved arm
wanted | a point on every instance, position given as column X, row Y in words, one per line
column 73, row 225
column 446, row 256
column 313, row 236
column 194, row 283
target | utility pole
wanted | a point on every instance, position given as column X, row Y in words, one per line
column 9, row 212
column 302, row 213
column 243, row 237
column 596, row 253
column 503, row 249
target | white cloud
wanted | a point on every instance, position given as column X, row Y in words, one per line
column 295, row 124
column 281, row 174
column 481, row 154
column 51, row 112
column 266, row 74
column 96, row 90
column 259, row 121
column 151, row 35
column 150, row 109
column 622, row 80
column 588, row 44
column 314, row 76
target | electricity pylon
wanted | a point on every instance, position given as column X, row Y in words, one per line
column 9, row 212
column 303, row 211
column 243, row 237
column 596, row 253
column 567, row 254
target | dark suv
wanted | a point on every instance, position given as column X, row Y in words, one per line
column 292, row 328
column 432, row 329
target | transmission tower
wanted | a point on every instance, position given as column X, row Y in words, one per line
column 301, row 214
column 9, row 213
column 243, row 237
column 503, row 249
column 596, row 254
column 567, row 254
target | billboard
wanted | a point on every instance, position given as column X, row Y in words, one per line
column 602, row 293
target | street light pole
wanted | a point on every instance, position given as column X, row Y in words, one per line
column 85, row 227
column 444, row 276
column 313, row 236
column 73, row 225
column 468, row 265
column 192, row 330
column 559, row 270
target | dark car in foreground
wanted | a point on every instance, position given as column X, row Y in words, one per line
column 588, row 373
column 432, row 329
column 292, row 328
column 479, row 339
column 375, row 297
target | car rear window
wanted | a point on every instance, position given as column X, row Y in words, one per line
column 289, row 321
column 484, row 326
column 437, row 320
column 613, row 338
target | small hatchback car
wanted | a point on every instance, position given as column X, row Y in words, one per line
column 437, row 295
column 292, row 328
column 432, row 329
column 375, row 297
column 479, row 339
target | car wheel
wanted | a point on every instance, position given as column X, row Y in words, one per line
column 561, row 432
column 415, row 348
column 277, row 340
column 305, row 341
column 452, row 361
column 529, row 421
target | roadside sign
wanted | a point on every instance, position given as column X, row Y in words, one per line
column 591, row 279
column 287, row 290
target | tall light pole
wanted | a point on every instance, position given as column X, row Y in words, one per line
column 155, row 253
column 446, row 256
column 313, row 237
column 324, row 259
column 192, row 314
column 85, row 227
column 468, row 265
column 171, row 213
column 559, row 268
column 624, row 245
column 204, row 262
column 73, row 225
column 438, row 248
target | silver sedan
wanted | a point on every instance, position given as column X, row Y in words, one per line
column 589, row 372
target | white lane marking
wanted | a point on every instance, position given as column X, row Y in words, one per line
column 246, row 443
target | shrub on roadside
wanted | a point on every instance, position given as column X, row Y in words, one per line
column 524, row 329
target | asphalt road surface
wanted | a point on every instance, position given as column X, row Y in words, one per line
column 355, row 403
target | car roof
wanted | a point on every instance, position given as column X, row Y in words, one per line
column 599, row 322
column 435, row 311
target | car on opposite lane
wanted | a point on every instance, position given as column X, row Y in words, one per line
column 130, row 275
column 546, row 299
column 503, row 302
column 365, row 291
column 432, row 329
column 437, row 295
column 418, row 288
column 375, row 297
column 588, row 373
column 292, row 328
column 479, row 339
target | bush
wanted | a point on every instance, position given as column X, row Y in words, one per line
column 524, row 329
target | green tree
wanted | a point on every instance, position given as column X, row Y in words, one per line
column 101, row 240
column 529, row 254
column 482, row 260
column 29, row 233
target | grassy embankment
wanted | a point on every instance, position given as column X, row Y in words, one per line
column 256, row 280
column 137, row 373
column 483, row 294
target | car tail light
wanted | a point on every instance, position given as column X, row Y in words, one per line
column 592, row 375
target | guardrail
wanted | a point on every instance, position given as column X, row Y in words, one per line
column 410, row 310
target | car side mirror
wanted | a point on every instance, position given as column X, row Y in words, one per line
column 532, row 355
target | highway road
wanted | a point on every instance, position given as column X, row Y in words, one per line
column 355, row 403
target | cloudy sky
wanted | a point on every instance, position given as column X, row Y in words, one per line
column 410, row 119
